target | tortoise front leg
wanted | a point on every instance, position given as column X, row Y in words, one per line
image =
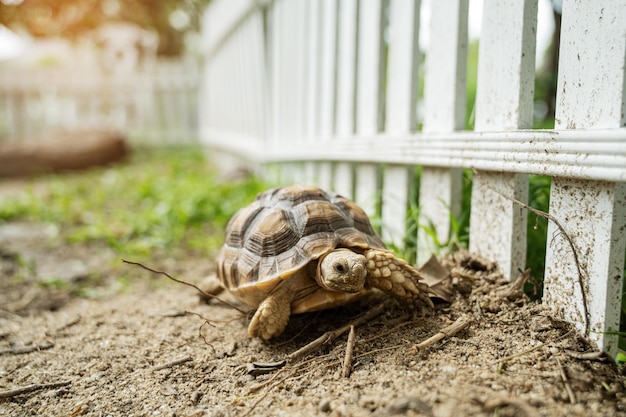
column 272, row 315
column 395, row 276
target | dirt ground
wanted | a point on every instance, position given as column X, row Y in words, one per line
column 128, row 346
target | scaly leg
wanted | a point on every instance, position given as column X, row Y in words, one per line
column 272, row 315
column 395, row 276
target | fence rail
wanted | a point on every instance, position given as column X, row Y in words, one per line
column 327, row 90
column 153, row 105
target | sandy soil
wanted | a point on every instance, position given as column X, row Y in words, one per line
column 128, row 346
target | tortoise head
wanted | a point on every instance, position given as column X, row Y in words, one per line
column 342, row 270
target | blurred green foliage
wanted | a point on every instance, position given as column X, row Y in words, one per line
column 160, row 200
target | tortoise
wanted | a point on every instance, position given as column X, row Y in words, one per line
column 298, row 249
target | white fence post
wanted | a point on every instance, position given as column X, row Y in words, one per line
column 326, row 111
column 400, row 100
column 504, row 100
column 591, row 95
column 369, row 82
column 444, row 111
column 346, row 84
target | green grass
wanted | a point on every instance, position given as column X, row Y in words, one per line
column 162, row 199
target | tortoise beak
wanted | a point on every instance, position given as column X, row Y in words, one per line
column 353, row 280
column 342, row 271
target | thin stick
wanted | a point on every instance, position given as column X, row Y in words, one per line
column 569, row 240
column 332, row 335
column 31, row 388
column 27, row 349
column 200, row 290
column 460, row 324
column 172, row 363
column 347, row 361
column 599, row 356
column 568, row 387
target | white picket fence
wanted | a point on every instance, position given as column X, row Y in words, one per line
column 327, row 91
column 153, row 105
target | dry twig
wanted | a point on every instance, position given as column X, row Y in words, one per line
column 568, row 387
column 27, row 349
column 514, row 289
column 599, row 356
column 347, row 361
column 200, row 290
column 329, row 336
column 31, row 388
column 460, row 324
column 172, row 363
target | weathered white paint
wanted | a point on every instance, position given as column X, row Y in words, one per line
column 400, row 101
column 543, row 152
column 328, row 45
column 328, row 49
column 504, row 99
column 275, row 73
column 313, row 70
column 444, row 111
column 369, row 92
column 346, row 85
column 593, row 215
column 346, row 64
column 591, row 95
column 370, row 67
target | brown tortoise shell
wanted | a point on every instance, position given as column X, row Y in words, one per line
column 282, row 231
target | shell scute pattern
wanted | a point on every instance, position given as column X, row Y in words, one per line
column 284, row 230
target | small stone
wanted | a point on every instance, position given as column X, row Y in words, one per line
column 325, row 405
column 195, row 397
column 404, row 404
column 230, row 349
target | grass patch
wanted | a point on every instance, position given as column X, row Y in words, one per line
column 161, row 199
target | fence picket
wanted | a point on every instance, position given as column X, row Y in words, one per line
column 313, row 65
column 346, row 84
column 593, row 213
column 444, row 111
column 400, row 114
column 368, row 95
column 328, row 49
column 503, row 102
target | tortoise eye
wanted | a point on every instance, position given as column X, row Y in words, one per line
column 340, row 267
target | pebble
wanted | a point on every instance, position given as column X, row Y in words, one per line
column 325, row 405
column 195, row 397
